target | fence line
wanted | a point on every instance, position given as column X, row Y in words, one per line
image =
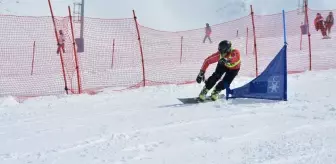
column 145, row 56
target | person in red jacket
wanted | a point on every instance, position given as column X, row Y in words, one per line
column 319, row 24
column 228, row 62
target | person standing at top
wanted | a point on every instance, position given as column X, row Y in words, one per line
column 60, row 44
column 207, row 33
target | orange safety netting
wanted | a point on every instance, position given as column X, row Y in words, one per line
column 30, row 66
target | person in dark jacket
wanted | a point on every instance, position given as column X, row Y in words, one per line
column 329, row 22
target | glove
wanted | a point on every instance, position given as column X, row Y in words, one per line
column 224, row 61
column 200, row 77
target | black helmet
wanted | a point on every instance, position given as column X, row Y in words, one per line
column 224, row 46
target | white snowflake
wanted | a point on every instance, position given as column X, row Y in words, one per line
column 274, row 84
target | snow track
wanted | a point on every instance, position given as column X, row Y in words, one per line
column 146, row 126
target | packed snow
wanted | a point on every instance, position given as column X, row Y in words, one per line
column 150, row 126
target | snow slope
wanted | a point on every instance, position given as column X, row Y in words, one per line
column 148, row 126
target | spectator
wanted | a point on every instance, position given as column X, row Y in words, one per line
column 329, row 22
column 319, row 25
column 61, row 41
column 207, row 33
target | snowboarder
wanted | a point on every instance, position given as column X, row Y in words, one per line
column 228, row 59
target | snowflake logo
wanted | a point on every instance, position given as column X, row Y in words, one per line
column 274, row 84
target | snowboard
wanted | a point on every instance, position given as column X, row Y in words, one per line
column 195, row 100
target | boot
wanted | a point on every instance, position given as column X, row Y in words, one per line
column 215, row 95
column 203, row 94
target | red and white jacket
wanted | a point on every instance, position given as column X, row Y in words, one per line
column 233, row 56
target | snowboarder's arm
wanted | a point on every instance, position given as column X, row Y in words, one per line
column 209, row 60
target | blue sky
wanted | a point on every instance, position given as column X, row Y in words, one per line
column 169, row 15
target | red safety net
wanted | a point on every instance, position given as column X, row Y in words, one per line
column 30, row 66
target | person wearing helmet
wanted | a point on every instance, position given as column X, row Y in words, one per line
column 228, row 62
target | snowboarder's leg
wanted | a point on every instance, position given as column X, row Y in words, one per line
column 212, row 80
column 227, row 80
column 203, row 93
